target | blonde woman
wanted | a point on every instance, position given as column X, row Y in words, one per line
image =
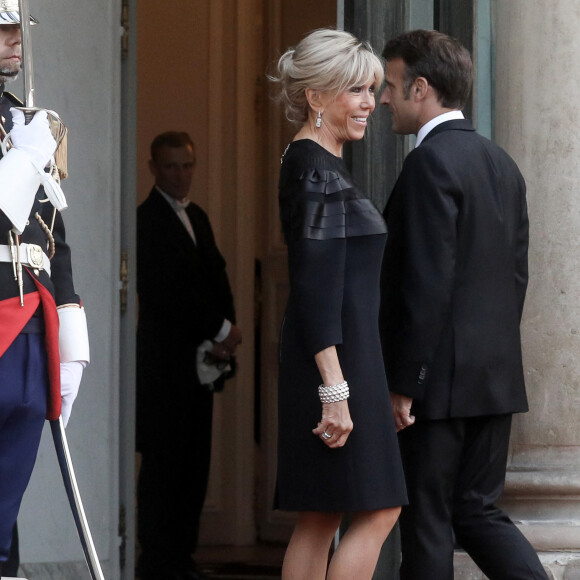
column 337, row 446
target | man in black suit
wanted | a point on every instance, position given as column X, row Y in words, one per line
column 184, row 301
column 454, row 282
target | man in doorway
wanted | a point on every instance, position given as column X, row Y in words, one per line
column 454, row 281
column 41, row 359
column 185, row 301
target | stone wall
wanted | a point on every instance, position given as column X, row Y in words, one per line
column 537, row 120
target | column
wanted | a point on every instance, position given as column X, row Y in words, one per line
column 537, row 120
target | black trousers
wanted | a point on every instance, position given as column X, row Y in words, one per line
column 23, row 400
column 455, row 471
column 173, row 480
column 10, row 567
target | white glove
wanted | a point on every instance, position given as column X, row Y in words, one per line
column 70, row 380
column 34, row 139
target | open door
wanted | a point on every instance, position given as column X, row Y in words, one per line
column 285, row 26
column 128, row 291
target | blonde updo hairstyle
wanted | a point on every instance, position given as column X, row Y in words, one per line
column 329, row 61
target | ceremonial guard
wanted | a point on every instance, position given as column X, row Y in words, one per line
column 43, row 334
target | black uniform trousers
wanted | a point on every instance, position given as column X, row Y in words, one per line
column 455, row 471
column 10, row 567
column 175, row 461
column 23, row 400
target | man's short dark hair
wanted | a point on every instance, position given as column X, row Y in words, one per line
column 441, row 59
column 170, row 139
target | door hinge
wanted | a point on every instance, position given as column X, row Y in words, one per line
column 125, row 29
column 124, row 278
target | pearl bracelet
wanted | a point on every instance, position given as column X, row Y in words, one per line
column 333, row 393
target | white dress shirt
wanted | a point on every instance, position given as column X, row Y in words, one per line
column 430, row 125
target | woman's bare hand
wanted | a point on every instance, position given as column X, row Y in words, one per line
column 335, row 422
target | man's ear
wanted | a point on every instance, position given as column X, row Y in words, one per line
column 152, row 167
column 420, row 88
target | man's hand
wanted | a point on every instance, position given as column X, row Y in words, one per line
column 232, row 340
column 402, row 410
column 219, row 351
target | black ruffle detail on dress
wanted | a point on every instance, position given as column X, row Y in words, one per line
column 340, row 219
column 319, row 200
column 323, row 181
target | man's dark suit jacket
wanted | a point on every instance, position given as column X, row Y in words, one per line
column 455, row 277
column 184, row 297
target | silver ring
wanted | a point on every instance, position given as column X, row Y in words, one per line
column 325, row 435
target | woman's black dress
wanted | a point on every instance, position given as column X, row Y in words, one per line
column 335, row 239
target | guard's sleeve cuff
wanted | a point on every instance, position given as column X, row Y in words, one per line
column 224, row 331
column 73, row 336
column 20, row 181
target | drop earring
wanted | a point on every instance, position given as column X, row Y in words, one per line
column 318, row 120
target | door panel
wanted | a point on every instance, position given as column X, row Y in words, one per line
column 128, row 296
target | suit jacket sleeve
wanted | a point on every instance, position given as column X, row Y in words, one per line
column 61, row 267
column 420, row 265
column 214, row 263
column 521, row 266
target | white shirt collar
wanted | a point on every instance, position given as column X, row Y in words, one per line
column 176, row 204
column 179, row 207
column 430, row 125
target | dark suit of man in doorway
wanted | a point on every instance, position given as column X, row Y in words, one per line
column 454, row 281
column 184, row 300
